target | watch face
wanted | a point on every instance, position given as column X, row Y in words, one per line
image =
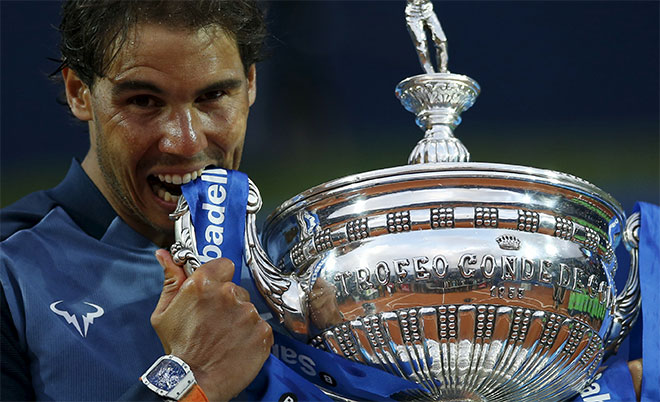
column 166, row 375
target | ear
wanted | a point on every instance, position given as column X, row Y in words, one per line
column 252, row 84
column 78, row 95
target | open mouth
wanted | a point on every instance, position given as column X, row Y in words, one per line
column 168, row 186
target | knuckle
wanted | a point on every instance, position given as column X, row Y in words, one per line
column 228, row 292
column 225, row 262
column 188, row 286
column 221, row 268
column 200, row 287
column 252, row 313
column 155, row 320
column 268, row 333
column 266, row 336
column 192, row 285
column 228, row 287
column 242, row 294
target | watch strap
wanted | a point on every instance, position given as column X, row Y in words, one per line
column 195, row 394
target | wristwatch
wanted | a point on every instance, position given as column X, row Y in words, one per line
column 172, row 379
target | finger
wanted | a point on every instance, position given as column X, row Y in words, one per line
column 241, row 294
column 220, row 270
column 635, row 368
column 174, row 278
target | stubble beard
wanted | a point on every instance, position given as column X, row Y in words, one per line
column 119, row 192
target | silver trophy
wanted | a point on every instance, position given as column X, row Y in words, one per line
column 477, row 281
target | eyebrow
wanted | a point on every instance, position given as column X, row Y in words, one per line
column 222, row 85
column 138, row 85
column 135, row 85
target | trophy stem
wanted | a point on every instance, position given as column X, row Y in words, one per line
column 438, row 100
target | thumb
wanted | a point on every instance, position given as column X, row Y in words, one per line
column 174, row 277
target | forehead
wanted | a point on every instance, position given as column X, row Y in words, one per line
column 159, row 49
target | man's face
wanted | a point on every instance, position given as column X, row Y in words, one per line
column 172, row 103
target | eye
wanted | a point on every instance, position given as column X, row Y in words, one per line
column 145, row 101
column 210, row 96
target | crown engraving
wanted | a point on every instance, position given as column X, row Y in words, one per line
column 508, row 242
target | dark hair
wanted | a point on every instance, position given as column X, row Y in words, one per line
column 94, row 31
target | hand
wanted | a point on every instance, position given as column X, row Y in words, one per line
column 209, row 322
column 635, row 368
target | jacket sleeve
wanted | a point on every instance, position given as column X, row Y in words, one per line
column 139, row 392
column 15, row 379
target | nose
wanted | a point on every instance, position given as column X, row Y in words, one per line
column 183, row 134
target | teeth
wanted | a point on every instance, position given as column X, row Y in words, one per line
column 164, row 194
column 169, row 197
column 178, row 179
column 174, row 179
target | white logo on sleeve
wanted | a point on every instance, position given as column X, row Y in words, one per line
column 87, row 319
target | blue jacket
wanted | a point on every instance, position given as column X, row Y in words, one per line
column 79, row 287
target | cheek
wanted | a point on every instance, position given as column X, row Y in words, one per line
column 127, row 139
column 228, row 127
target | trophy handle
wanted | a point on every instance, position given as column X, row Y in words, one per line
column 182, row 250
column 628, row 303
column 282, row 294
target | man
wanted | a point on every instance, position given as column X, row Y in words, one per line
column 165, row 88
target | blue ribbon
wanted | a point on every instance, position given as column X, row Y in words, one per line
column 277, row 382
column 338, row 374
column 649, row 265
column 614, row 384
column 218, row 201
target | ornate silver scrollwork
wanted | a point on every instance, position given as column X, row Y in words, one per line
column 183, row 249
column 628, row 303
column 282, row 294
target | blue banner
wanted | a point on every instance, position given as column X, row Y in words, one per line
column 218, row 201
column 277, row 382
column 649, row 277
column 614, row 384
column 338, row 374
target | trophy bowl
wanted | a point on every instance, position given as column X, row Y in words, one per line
column 477, row 281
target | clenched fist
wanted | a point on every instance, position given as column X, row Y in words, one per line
column 209, row 322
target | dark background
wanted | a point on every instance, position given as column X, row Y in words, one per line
column 569, row 86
